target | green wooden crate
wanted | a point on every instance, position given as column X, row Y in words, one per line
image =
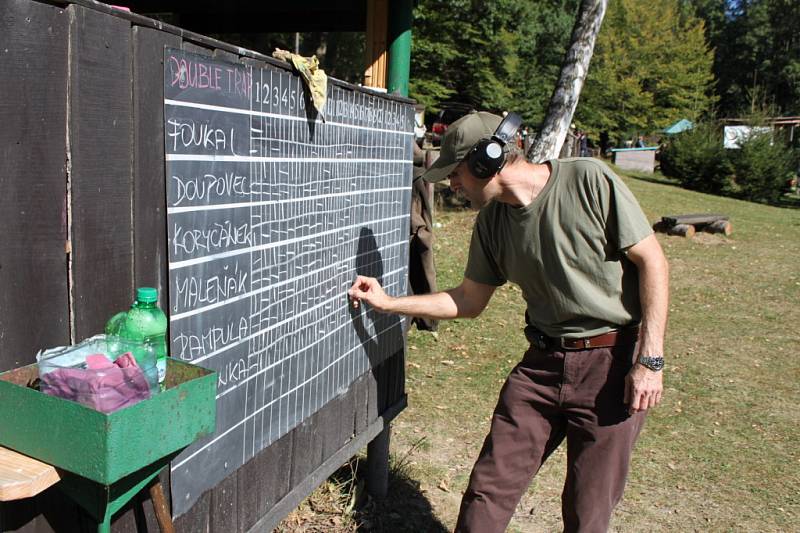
column 106, row 447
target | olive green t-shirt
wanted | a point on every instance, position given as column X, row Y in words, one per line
column 565, row 250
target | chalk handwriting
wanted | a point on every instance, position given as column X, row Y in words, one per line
column 209, row 187
column 271, row 214
column 186, row 133
column 369, row 115
column 193, row 345
column 186, row 73
column 214, row 237
column 195, row 291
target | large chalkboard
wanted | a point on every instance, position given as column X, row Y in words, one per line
column 271, row 213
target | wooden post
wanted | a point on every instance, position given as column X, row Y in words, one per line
column 161, row 507
column 378, row 464
column 399, row 43
column 375, row 75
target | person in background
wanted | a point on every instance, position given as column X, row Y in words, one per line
column 594, row 279
column 584, row 144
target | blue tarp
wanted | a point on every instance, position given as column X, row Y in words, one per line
column 681, row 125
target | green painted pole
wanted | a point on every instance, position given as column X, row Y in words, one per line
column 105, row 525
column 400, row 17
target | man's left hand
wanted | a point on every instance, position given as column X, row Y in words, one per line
column 643, row 388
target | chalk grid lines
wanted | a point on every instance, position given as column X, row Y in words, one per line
column 317, row 203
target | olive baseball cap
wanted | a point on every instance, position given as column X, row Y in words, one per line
column 458, row 140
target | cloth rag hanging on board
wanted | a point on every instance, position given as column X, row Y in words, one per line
column 421, row 268
column 314, row 77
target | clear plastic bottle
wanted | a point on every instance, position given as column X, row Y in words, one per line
column 144, row 322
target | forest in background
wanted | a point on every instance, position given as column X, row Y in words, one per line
column 653, row 64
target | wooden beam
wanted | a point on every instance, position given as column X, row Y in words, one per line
column 695, row 219
column 377, row 57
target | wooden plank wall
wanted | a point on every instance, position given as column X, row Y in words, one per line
column 34, row 296
column 33, row 189
column 149, row 191
column 83, row 116
column 101, row 155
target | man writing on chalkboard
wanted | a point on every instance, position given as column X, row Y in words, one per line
column 594, row 278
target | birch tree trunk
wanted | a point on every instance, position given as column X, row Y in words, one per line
column 547, row 143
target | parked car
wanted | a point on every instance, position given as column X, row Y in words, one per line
column 451, row 111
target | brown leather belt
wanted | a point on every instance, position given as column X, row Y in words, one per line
column 614, row 337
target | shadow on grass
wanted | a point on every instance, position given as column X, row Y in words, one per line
column 789, row 201
column 658, row 179
column 405, row 508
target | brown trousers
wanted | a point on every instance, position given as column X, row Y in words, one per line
column 549, row 396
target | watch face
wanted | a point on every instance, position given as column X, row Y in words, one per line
column 653, row 363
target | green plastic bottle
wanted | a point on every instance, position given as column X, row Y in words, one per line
column 144, row 322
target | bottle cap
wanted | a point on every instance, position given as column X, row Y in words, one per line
column 147, row 295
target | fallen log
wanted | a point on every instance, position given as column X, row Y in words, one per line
column 661, row 227
column 720, row 226
column 682, row 230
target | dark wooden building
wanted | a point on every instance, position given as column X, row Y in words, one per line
column 83, row 216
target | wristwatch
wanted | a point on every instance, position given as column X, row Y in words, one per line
column 654, row 363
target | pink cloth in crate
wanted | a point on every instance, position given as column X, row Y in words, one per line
column 103, row 385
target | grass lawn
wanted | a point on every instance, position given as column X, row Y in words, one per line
column 719, row 454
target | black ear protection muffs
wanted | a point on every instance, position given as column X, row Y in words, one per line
column 488, row 156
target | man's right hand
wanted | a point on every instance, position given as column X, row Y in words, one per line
column 369, row 290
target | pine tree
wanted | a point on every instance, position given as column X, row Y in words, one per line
column 434, row 52
column 542, row 39
column 500, row 55
column 652, row 67
column 757, row 53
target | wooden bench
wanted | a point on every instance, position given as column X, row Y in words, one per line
column 687, row 225
column 24, row 477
